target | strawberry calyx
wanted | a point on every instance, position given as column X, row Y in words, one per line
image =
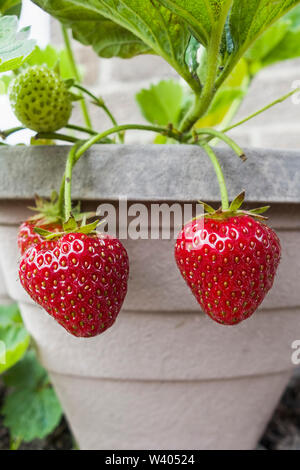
column 234, row 210
column 71, row 226
column 49, row 211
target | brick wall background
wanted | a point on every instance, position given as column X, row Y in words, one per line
column 118, row 80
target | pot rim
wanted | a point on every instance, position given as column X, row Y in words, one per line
column 150, row 173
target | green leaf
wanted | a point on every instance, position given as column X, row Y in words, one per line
column 203, row 17
column 51, row 57
column 155, row 26
column 31, row 414
column 9, row 314
column 108, row 39
column 90, row 27
column 161, row 104
column 16, row 340
column 265, row 43
column 10, row 7
column 27, row 373
column 249, row 19
column 280, row 42
column 32, row 409
column 14, row 46
column 47, row 56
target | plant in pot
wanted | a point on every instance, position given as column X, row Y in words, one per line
column 169, row 377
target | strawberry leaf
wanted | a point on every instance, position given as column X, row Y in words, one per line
column 14, row 339
column 32, row 409
column 161, row 103
column 15, row 47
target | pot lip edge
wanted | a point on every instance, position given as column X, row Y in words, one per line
column 155, row 149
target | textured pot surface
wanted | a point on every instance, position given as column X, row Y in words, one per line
column 166, row 376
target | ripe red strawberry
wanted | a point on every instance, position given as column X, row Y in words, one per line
column 27, row 237
column 229, row 264
column 81, row 281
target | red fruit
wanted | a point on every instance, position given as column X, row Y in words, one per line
column 81, row 281
column 27, row 236
column 229, row 264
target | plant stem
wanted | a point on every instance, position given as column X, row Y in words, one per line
column 212, row 132
column 67, row 182
column 203, row 101
column 15, row 443
column 173, row 133
column 99, row 102
column 8, row 132
column 219, row 173
column 55, row 136
column 76, row 74
column 81, row 129
column 61, row 198
column 279, row 100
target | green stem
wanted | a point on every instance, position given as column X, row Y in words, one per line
column 265, row 108
column 8, row 132
column 61, row 198
column 212, row 132
column 88, row 131
column 219, row 173
column 15, row 443
column 76, row 74
column 55, row 136
column 99, row 102
column 80, row 129
column 173, row 133
column 68, row 182
column 203, row 101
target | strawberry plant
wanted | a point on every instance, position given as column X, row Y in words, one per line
column 217, row 47
column 228, row 257
column 30, row 408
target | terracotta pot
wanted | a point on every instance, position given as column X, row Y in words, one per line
column 165, row 376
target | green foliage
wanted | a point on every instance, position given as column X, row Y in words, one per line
column 248, row 20
column 10, row 7
column 161, row 104
column 15, row 47
column 155, row 26
column 203, row 17
column 89, row 26
column 49, row 57
column 280, row 42
column 13, row 335
column 32, row 409
column 203, row 41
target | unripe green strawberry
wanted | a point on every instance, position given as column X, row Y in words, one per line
column 40, row 99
